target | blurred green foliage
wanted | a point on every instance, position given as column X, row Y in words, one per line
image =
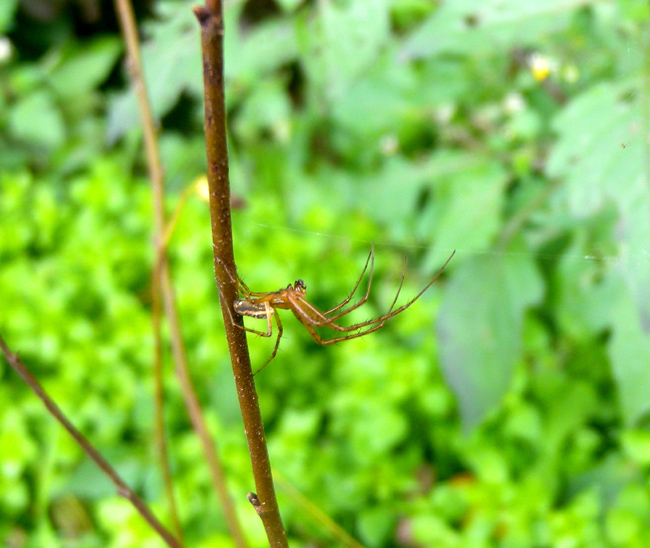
column 506, row 409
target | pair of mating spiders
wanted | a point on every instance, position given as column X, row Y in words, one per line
column 262, row 305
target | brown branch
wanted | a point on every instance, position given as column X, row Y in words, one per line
column 211, row 20
column 162, row 282
column 122, row 488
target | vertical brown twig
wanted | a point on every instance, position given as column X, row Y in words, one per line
column 211, row 20
column 122, row 488
column 162, row 282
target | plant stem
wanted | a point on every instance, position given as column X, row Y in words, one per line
column 128, row 26
column 122, row 488
column 162, row 282
column 211, row 20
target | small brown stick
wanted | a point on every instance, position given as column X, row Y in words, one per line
column 210, row 18
column 122, row 488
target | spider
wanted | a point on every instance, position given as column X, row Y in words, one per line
column 265, row 305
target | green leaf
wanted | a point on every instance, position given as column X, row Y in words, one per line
column 345, row 41
column 267, row 110
column 172, row 64
column 37, row 120
column 7, row 12
column 468, row 191
column 467, row 26
column 584, row 293
column 636, row 444
column 598, row 155
column 245, row 64
column 391, row 195
column 375, row 525
column 601, row 160
column 480, row 326
column 629, row 351
column 83, row 68
column 289, row 5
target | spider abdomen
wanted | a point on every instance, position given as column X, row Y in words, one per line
column 252, row 310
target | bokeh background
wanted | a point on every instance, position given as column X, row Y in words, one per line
column 507, row 408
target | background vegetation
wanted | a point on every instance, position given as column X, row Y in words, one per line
column 506, row 409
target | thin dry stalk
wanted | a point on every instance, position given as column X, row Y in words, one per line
column 129, row 31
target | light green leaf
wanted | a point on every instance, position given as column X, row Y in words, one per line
column 391, row 195
column 601, row 160
column 583, row 296
column 597, row 155
column 37, row 120
column 375, row 525
column 467, row 26
column 252, row 54
column 465, row 211
column 636, row 444
column 480, row 326
column 267, row 110
column 172, row 64
column 346, row 40
column 629, row 351
column 84, row 68
column 7, row 12
column 289, row 5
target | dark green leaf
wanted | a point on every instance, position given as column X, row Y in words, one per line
column 480, row 326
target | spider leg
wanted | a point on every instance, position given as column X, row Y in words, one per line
column 330, row 319
column 277, row 340
column 308, row 314
column 371, row 260
column 392, row 313
column 319, row 319
column 306, row 320
column 270, row 312
column 269, row 324
column 241, row 286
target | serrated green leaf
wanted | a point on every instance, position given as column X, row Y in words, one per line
column 480, row 326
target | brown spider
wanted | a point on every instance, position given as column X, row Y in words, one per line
column 266, row 305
